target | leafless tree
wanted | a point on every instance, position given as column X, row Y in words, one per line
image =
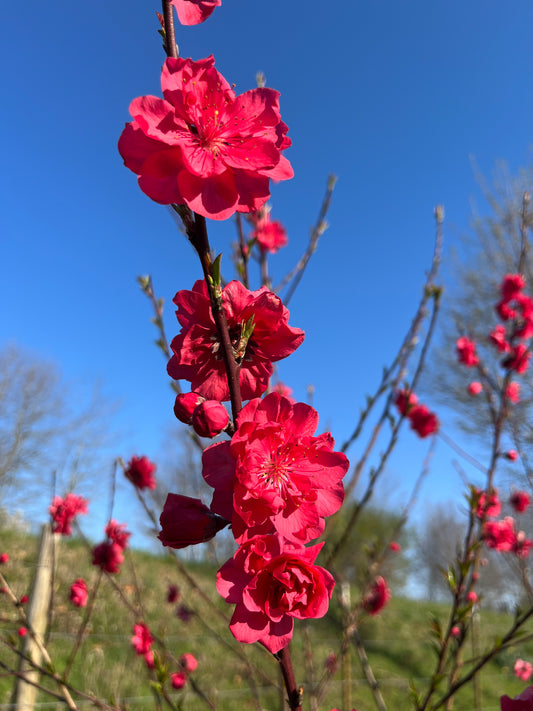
column 48, row 431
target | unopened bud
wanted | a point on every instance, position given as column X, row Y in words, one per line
column 210, row 418
column 185, row 405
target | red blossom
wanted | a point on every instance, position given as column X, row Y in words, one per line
column 185, row 521
column 173, row 594
column 518, row 359
column 197, row 349
column 512, row 455
column 185, row 405
column 117, row 533
column 271, row 583
column 498, row 336
column 22, row 631
column 523, row 670
column 488, row 504
column 142, row 638
column 140, row 472
column 108, row 556
column 188, row 663
column 472, row 597
column 202, row 145
column 4, row 558
column 456, row 631
column 423, row 421
column 210, row 418
column 78, row 593
column 193, row 12
column 520, row 501
column 512, row 392
column 511, row 286
column 522, row 545
column 283, row 478
column 270, row 235
column 395, row 547
column 377, row 597
column 466, row 352
column 64, row 511
column 524, row 702
column 475, row 388
column 405, row 400
column 178, row 680
column 500, row 535
column 23, row 600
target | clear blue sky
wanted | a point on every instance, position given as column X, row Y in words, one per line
column 393, row 97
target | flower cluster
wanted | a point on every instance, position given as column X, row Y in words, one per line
column 275, row 482
column 502, row 536
column 203, row 146
column 64, row 511
column 198, row 351
column 109, row 555
column 523, row 670
column 79, row 593
column 142, row 643
column 140, row 471
column 421, row 419
column 270, row 235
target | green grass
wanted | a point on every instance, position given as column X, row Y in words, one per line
column 397, row 641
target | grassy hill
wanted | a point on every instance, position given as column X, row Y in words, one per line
column 231, row 676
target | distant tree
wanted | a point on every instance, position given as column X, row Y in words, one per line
column 491, row 250
column 47, row 430
column 369, row 541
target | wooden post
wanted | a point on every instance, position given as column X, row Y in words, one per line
column 24, row 695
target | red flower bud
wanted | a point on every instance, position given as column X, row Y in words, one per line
column 210, row 418
column 185, row 405
column 186, row 521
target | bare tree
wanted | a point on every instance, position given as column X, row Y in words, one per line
column 48, row 432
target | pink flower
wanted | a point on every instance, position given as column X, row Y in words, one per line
column 378, row 596
column 188, row 662
column 140, row 472
column 522, row 545
column 197, row 350
column 520, row 501
column 284, row 479
column 142, row 638
column 512, row 455
column 186, row 521
column 64, row 511
column 178, row 680
column 4, row 558
column 204, row 147
column 270, row 235
column 488, row 504
column 423, row 421
column 472, row 597
column 466, row 352
column 518, row 359
column 524, row 702
column 23, row 600
column 117, row 533
column 475, row 388
column 22, row 631
column 498, row 336
column 78, row 593
column 511, row 286
column 523, row 670
column 512, row 392
column 272, row 582
column 456, row 631
column 284, row 391
column 395, row 547
column 193, row 12
column 185, row 405
column 108, row 556
column 210, row 418
column 173, row 594
column 405, row 401
column 500, row 535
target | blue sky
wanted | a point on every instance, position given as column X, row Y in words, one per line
column 393, row 98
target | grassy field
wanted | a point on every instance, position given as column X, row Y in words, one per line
column 232, row 676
